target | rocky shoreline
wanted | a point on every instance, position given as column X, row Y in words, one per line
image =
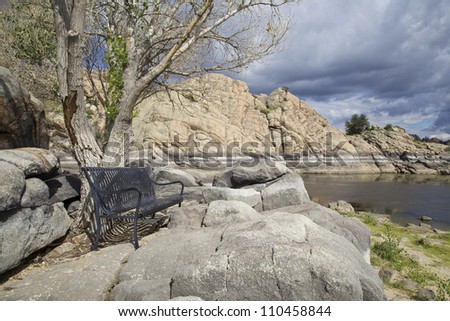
column 253, row 234
column 429, row 279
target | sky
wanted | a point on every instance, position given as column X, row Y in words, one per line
column 388, row 59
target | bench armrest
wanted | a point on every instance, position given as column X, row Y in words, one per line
column 125, row 190
column 169, row 183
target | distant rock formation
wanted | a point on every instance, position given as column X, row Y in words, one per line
column 22, row 116
column 217, row 116
column 215, row 112
column 406, row 153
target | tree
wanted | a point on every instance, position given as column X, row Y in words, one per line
column 151, row 44
column 357, row 124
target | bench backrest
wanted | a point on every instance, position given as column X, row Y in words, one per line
column 112, row 179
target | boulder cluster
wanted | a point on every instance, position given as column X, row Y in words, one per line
column 251, row 234
column 34, row 201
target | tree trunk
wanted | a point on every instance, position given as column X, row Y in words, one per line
column 69, row 18
column 69, row 22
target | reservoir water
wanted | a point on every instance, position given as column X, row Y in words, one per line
column 404, row 197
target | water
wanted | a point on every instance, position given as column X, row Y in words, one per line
column 405, row 197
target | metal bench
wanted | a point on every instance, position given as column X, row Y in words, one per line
column 126, row 193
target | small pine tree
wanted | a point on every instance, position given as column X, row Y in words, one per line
column 357, row 124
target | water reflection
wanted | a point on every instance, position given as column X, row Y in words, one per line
column 405, row 197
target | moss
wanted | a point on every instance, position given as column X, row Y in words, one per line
column 370, row 220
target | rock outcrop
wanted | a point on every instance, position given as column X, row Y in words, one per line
column 280, row 257
column 22, row 116
column 33, row 201
column 260, row 171
column 218, row 117
column 406, row 154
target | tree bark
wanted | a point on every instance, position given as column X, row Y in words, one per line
column 69, row 24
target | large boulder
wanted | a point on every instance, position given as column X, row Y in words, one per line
column 22, row 116
column 263, row 171
column 173, row 174
column 12, row 186
column 63, row 188
column 288, row 190
column 187, row 216
column 280, row 257
column 227, row 212
column 24, row 231
column 349, row 227
column 36, row 193
column 249, row 196
column 34, row 162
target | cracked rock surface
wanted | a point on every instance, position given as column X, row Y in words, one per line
column 278, row 256
column 88, row 278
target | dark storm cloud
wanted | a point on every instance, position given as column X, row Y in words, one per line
column 442, row 122
column 386, row 58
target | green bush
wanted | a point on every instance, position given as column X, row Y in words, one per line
column 389, row 249
column 357, row 124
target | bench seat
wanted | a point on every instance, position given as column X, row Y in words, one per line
column 118, row 190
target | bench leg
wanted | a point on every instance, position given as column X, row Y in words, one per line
column 97, row 233
column 135, row 236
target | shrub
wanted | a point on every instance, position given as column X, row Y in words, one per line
column 389, row 249
column 357, row 124
column 369, row 220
